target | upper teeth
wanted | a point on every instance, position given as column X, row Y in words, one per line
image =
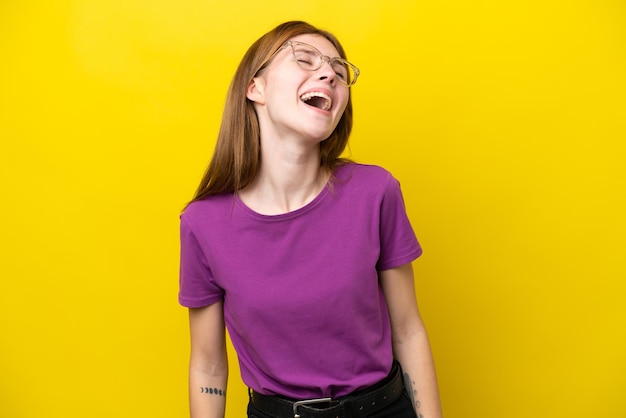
column 327, row 103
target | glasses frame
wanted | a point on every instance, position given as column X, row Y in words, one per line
column 323, row 58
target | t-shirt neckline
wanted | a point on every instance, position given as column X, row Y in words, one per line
column 315, row 202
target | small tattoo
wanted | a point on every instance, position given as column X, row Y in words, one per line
column 213, row 391
column 408, row 384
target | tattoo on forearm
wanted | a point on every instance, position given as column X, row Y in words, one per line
column 412, row 392
column 213, row 391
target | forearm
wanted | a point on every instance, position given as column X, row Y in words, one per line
column 208, row 363
column 207, row 391
column 418, row 367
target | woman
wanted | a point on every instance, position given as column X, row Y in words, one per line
column 303, row 256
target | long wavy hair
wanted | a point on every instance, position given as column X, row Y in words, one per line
column 236, row 158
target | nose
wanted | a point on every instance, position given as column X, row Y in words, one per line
column 326, row 71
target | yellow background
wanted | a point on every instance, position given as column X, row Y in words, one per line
column 503, row 120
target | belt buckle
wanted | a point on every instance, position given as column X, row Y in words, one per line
column 298, row 404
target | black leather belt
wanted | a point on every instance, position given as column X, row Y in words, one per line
column 360, row 404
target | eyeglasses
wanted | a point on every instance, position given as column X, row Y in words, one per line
column 310, row 58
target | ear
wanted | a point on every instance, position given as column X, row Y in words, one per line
column 255, row 91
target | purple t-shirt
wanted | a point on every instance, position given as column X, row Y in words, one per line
column 302, row 301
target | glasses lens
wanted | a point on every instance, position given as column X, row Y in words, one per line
column 307, row 57
column 345, row 72
column 310, row 59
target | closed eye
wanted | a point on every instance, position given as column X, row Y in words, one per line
column 305, row 57
column 340, row 70
column 304, row 60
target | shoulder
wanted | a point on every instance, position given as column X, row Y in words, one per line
column 208, row 209
column 363, row 173
column 366, row 179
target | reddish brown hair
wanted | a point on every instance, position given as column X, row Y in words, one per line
column 236, row 157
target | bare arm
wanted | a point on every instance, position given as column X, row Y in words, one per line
column 208, row 365
column 410, row 341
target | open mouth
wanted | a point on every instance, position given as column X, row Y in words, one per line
column 317, row 99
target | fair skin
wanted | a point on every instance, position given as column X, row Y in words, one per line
column 410, row 341
column 290, row 177
column 208, row 364
column 291, row 130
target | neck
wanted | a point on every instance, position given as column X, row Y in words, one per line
column 290, row 177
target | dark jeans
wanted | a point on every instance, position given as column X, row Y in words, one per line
column 402, row 408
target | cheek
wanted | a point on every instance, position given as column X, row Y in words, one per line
column 344, row 102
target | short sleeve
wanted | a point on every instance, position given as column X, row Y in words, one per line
column 197, row 284
column 398, row 243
